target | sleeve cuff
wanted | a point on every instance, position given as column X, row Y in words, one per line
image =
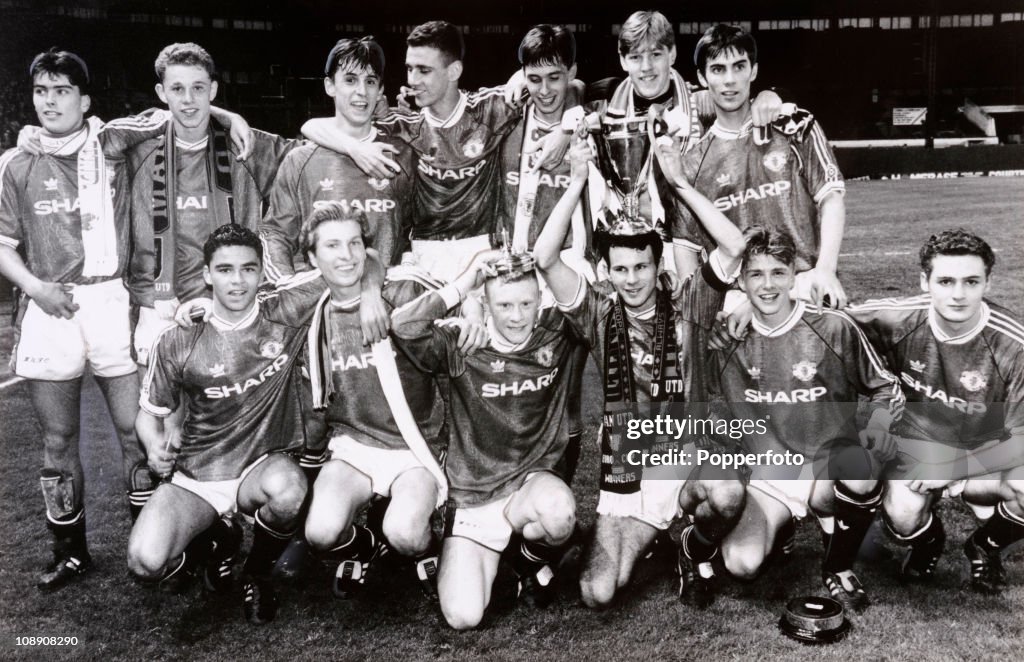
column 450, row 295
column 715, row 262
column 9, row 241
column 828, row 189
column 687, row 244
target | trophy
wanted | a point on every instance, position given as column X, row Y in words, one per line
column 624, row 159
column 512, row 264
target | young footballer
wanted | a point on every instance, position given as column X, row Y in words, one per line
column 186, row 183
column 960, row 361
column 65, row 242
column 650, row 346
column 312, row 176
column 379, row 412
column 800, row 374
column 509, row 432
column 233, row 376
column 783, row 177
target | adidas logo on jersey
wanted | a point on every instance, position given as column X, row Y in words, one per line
column 796, row 395
column 938, row 394
column 238, row 388
column 50, row 184
column 724, row 179
column 754, row 372
column 917, row 366
column 326, row 184
column 218, row 370
column 769, row 190
column 497, row 366
column 520, row 387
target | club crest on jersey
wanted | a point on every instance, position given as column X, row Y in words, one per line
column 917, row 366
column 218, row 370
column 755, row 372
column 498, row 366
column 545, row 356
column 775, row 160
column 378, row 184
column 271, row 349
column 327, row 184
column 473, row 148
column 805, row 370
column 51, row 184
column 724, row 179
column 973, row 381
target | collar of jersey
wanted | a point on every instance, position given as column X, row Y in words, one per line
column 643, row 315
column 944, row 337
column 502, row 345
column 531, row 116
column 728, row 134
column 452, row 119
column 348, row 304
column 785, row 327
column 191, row 147
column 224, row 325
column 65, row 145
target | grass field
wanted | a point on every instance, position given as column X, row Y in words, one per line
column 115, row 619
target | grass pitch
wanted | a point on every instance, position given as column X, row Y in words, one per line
column 113, row 618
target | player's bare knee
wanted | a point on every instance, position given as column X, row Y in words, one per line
column 462, row 614
column 286, row 492
column 727, row 498
column 742, row 563
column 597, row 590
column 322, row 535
column 145, row 562
column 406, row 537
column 860, row 487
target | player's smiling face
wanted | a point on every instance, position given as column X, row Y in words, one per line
column 767, row 282
column 634, row 275
column 428, row 74
column 513, row 307
column 355, row 93
column 548, row 85
column 234, row 273
column 340, row 254
column 957, row 285
column 60, row 106
column 649, row 66
column 188, row 92
column 728, row 76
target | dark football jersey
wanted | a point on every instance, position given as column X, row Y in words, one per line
column 961, row 391
column 241, row 393
column 551, row 184
column 359, row 407
column 695, row 309
column 803, row 379
column 198, row 209
column 778, row 185
column 40, row 207
column 508, row 406
column 458, row 175
column 312, row 175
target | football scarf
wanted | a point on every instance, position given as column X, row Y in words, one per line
column 95, row 197
column 164, row 205
column 318, row 344
column 620, row 390
column 533, row 134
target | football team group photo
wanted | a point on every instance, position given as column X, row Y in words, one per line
column 621, row 354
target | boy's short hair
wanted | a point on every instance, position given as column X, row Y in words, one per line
column 231, row 234
column 605, row 242
column 773, row 243
column 333, row 211
column 721, row 38
column 956, row 242
column 441, row 35
column 644, row 26
column 187, row 54
column 55, row 63
column 355, row 54
column 547, row 44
